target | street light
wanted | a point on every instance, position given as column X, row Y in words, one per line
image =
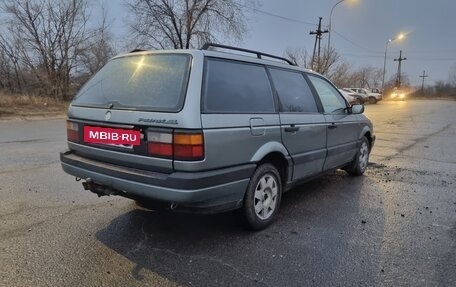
column 329, row 26
column 398, row 37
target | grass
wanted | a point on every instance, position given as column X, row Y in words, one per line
column 24, row 106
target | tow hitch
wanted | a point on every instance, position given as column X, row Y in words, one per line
column 99, row 189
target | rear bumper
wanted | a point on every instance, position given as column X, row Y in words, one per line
column 216, row 190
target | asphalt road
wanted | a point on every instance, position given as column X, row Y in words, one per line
column 394, row 226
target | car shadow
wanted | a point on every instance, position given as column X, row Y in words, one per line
column 308, row 244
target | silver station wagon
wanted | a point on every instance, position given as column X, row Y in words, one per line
column 211, row 130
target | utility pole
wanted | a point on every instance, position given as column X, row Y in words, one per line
column 318, row 35
column 400, row 59
column 422, row 83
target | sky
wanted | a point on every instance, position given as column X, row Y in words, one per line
column 360, row 30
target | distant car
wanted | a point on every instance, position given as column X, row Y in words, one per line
column 351, row 99
column 375, row 90
column 373, row 98
column 398, row 94
column 360, row 99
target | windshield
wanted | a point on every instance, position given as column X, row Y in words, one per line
column 141, row 82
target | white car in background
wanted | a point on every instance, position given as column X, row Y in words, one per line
column 359, row 98
column 351, row 99
column 374, row 90
column 372, row 98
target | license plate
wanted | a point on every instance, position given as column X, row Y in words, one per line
column 111, row 136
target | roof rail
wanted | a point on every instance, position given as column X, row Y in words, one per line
column 137, row 50
column 257, row 53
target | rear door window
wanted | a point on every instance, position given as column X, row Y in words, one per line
column 236, row 87
column 294, row 93
column 156, row 82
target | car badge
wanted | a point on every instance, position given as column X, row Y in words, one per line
column 108, row 115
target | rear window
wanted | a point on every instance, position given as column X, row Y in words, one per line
column 142, row 82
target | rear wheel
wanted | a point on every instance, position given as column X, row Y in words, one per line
column 262, row 198
column 359, row 163
column 372, row 100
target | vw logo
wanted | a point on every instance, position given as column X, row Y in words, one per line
column 108, row 115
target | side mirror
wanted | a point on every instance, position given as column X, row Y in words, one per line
column 357, row 109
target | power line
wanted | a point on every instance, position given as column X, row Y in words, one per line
column 437, row 59
column 345, row 38
column 434, row 58
column 416, row 52
column 419, row 58
column 306, row 23
column 352, row 42
column 303, row 22
column 277, row 15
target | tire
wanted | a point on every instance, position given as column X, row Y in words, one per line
column 372, row 100
column 262, row 198
column 359, row 164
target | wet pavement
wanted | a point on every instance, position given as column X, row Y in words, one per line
column 394, row 226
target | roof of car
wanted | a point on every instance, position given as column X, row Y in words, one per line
column 239, row 54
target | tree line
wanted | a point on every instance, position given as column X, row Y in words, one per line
column 50, row 47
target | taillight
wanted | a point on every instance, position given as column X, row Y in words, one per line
column 160, row 144
column 72, row 131
column 188, row 146
column 179, row 145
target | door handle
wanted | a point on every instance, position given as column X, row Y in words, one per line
column 332, row 126
column 292, row 129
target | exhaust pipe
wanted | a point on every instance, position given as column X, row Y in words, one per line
column 173, row 206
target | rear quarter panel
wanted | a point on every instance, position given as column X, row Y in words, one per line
column 228, row 140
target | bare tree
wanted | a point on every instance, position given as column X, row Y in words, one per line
column 441, row 88
column 391, row 83
column 49, row 33
column 367, row 77
column 183, row 24
column 46, row 41
column 342, row 75
column 10, row 68
column 97, row 50
column 299, row 56
column 327, row 64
